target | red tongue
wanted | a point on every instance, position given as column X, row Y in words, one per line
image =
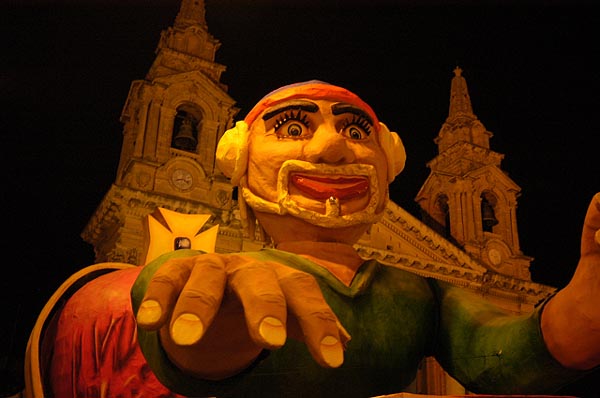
column 325, row 187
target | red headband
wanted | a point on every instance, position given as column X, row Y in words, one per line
column 312, row 89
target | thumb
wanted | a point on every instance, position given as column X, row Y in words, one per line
column 590, row 236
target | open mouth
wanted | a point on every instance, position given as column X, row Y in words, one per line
column 322, row 188
column 315, row 192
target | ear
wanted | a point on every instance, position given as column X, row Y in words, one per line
column 394, row 151
column 232, row 152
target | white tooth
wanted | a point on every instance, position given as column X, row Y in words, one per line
column 332, row 207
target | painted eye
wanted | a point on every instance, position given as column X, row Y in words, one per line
column 356, row 133
column 293, row 125
column 356, row 129
column 294, row 129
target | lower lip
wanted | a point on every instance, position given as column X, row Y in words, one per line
column 323, row 188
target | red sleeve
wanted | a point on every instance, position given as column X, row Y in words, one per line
column 95, row 351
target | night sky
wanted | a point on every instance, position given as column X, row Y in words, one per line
column 531, row 67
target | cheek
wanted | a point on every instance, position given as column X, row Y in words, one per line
column 382, row 172
column 382, row 175
column 264, row 161
column 376, row 157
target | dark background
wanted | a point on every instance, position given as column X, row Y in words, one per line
column 66, row 67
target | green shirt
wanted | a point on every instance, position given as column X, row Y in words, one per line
column 395, row 319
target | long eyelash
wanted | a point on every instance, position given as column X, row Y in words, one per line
column 360, row 122
column 286, row 117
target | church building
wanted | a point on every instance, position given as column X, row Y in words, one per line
column 173, row 118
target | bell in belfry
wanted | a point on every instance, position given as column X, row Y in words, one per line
column 488, row 216
column 185, row 138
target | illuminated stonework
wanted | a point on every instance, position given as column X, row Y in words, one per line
column 468, row 236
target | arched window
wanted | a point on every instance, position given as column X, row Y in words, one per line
column 186, row 126
column 488, row 211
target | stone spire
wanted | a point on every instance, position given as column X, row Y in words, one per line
column 191, row 12
column 460, row 102
column 468, row 196
column 461, row 125
column 187, row 45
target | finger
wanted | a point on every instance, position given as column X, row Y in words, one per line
column 199, row 300
column 590, row 237
column 256, row 285
column 162, row 291
column 323, row 334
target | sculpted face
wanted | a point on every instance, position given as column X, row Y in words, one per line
column 317, row 160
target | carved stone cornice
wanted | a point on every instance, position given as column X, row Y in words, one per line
column 486, row 282
column 172, row 62
column 463, row 157
column 443, row 260
column 120, row 201
column 104, row 218
column 425, row 238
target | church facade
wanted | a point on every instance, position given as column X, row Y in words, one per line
column 173, row 118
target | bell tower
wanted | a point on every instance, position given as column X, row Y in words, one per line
column 172, row 120
column 467, row 197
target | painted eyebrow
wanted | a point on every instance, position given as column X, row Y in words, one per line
column 307, row 106
column 342, row 107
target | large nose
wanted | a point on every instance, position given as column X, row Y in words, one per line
column 328, row 146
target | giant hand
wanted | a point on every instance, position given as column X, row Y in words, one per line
column 571, row 319
column 216, row 313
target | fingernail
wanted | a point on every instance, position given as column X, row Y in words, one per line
column 272, row 331
column 344, row 335
column 597, row 237
column 187, row 329
column 332, row 352
column 149, row 312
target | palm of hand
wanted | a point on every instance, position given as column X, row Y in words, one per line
column 226, row 309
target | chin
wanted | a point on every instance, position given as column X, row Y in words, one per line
column 285, row 228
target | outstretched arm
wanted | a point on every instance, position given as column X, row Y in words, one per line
column 571, row 319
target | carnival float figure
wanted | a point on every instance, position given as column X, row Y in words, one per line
column 309, row 317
